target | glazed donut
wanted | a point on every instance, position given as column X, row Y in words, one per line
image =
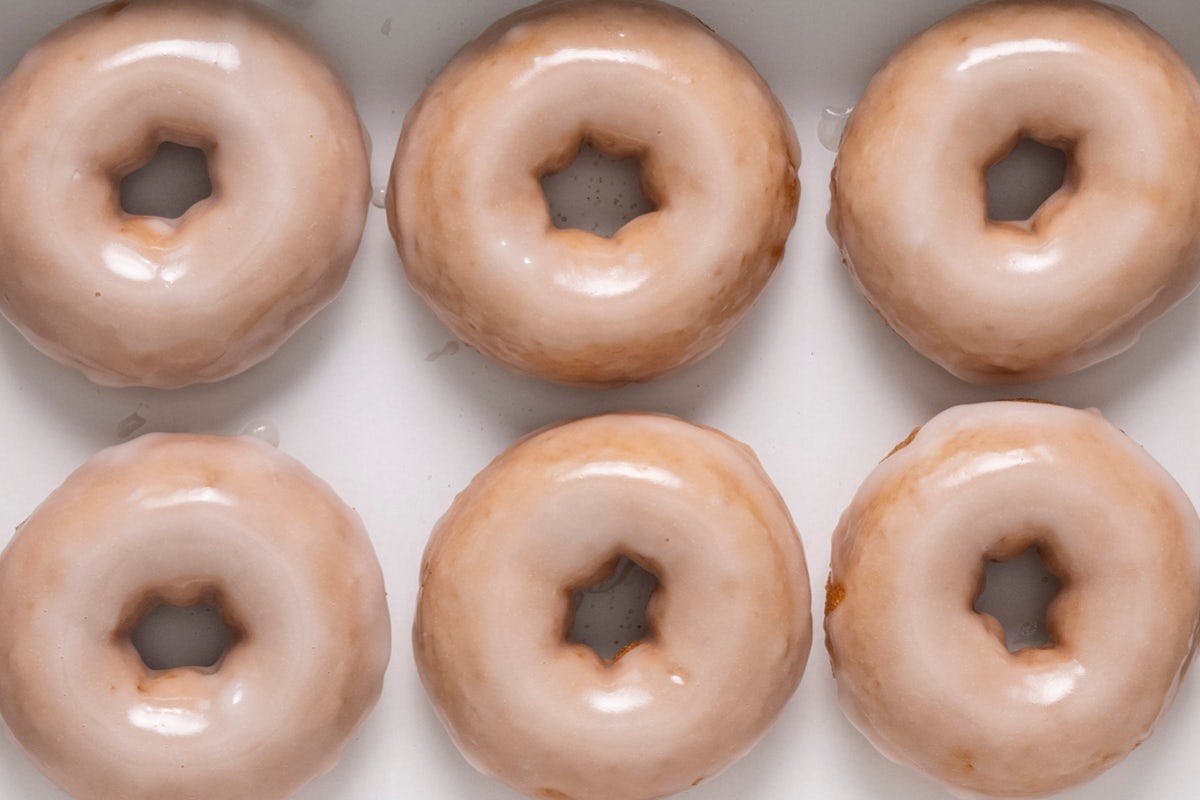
column 1111, row 251
column 632, row 78
column 135, row 300
column 930, row 682
column 182, row 519
column 729, row 626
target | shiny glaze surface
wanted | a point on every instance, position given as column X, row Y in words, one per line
column 184, row 519
column 634, row 78
column 1111, row 251
column 930, row 682
column 730, row 623
column 133, row 300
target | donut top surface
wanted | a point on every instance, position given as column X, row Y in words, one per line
column 634, row 78
column 730, row 623
column 136, row 300
column 1108, row 253
column 930, row 681
column 181, row 519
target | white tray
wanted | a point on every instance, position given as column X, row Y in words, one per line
column 813, row 380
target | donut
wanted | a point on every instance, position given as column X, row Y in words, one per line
column 146, row 301
column 729, row 625
column 930, row 682
column 180, row 520
column 1111, row 251
column 633, row 79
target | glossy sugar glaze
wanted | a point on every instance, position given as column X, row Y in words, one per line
column 1110, row 252
column 730, row 623
column 930, row 682
column 183, row 520
column 634, row 78
column 132, row 300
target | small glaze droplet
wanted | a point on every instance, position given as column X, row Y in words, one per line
column 379, row 199
column 450, row 348
column 832, row 125
column 263, row 429
column 386, row 28
column 130, row 426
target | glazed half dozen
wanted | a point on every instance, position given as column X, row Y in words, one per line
column 180, row 519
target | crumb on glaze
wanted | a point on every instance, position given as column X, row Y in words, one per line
column 835, row 593
column 624, row 651
column 909, row 440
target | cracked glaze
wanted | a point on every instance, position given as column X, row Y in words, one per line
column 930, row 682
column 730, row 623
column 634, row 78
column 188, row 519
column 1111, row 251
column 133, row 300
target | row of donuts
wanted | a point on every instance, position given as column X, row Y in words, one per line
column 133, row 300
column 182, row 519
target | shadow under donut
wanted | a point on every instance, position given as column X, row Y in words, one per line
column 21, row 777
column 929, row 389
column 95, row 411
column 521, row 404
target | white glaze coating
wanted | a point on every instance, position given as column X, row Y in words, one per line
column 187, row 519
column 145, row 301
column 1115, row 248
column 632, row 78
column 730, row 623
column 930, row 682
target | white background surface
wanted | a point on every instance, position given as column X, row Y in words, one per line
column 813, row 380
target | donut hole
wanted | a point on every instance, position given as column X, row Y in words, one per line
column 609, row 615
column 1024, row 179
column 168, row 637
column 170, row 183
column 596, row 193
column 1017, row 593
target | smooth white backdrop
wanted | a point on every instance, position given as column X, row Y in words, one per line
column 813, row 380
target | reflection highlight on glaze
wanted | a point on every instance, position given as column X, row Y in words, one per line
column 1020, row 47
column 619, row 701
column 603, row 284
column 222, row 55
column 991, row 463
column 167, row 720
column 1053, row 686
column 596, row 55
column 128, row 263
column 204, row 494
column 629, row 471
column 1034, row 262
column 125, row 262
